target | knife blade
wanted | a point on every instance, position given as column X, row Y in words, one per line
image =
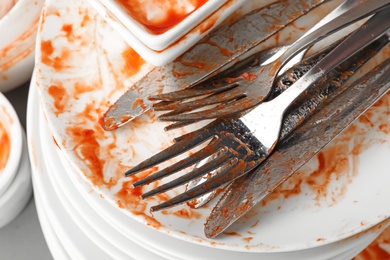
column 301, row 145
column 223, row 46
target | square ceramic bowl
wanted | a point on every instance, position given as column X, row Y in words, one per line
column 173, row 39
column 158, row 24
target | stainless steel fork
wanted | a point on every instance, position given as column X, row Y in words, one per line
column 237, row 143
column 251, row 86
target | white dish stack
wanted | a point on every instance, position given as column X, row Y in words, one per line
column 79, row 68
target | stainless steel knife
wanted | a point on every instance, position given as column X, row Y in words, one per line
column 223, row 46
column 301, row 145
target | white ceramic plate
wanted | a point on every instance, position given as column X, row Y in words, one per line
column 88, row 209
column 55, row 246
column 76, row 83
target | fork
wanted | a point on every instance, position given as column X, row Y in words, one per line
column 242, row 93
column 239, row 144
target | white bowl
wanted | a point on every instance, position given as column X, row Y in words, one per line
column 13, row 135
column 15, row 178
column 161, row 49
column 5, row 6
column 159, row 23
column 18, row 30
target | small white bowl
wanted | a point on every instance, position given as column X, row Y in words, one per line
column 163, row 48
column 15, row 176
column 18, row 29
column 188, row 16
column 13, row 134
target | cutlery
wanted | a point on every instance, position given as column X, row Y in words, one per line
column 240, row 144
column 224, row 46
column 246, row 92
column 302, row 144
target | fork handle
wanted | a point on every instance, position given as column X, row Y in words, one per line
column 367, row 33
column 347, row 13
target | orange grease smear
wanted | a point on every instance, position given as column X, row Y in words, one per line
column 47, row 51
column 87, row 148
column 5, row 147
column 187, row 214
column 133, row 62
column 60, row 98
column 129, row 197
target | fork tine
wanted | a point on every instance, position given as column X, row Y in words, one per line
column 222, row 111
column 226, row 158
column 182, row 164
column 224, row 176
column 197, row 91
column 223, row 97
column 187, row 142
column 179, row 124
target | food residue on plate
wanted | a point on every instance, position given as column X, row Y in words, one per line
column 5, row 146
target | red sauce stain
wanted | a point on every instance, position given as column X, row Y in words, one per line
column 129, row 198
column 86, row 19
column 187, row 214
column 245, row 75
column 232, row 234
column 138, row 102
column 338, row 162
column 19, row 48
column 47, row 51
column 88, row 150
column 172, row 15
column 81, row 88
column 68, row 29
column 247, row 239
column 55, row 142
column 5, row 147
column 196, row 64
column 60, row 98
column 379, row 249
column 133, row 62
column 223, row 50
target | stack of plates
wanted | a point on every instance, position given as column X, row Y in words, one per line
column 78, row 223
column 18, row 29
column 88, row 209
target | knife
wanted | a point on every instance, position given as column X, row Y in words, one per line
column 223, row 46
column 301, row 145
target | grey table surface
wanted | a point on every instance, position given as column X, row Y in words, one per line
column 23, row 237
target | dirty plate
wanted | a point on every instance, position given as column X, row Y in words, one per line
column 82, row 64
